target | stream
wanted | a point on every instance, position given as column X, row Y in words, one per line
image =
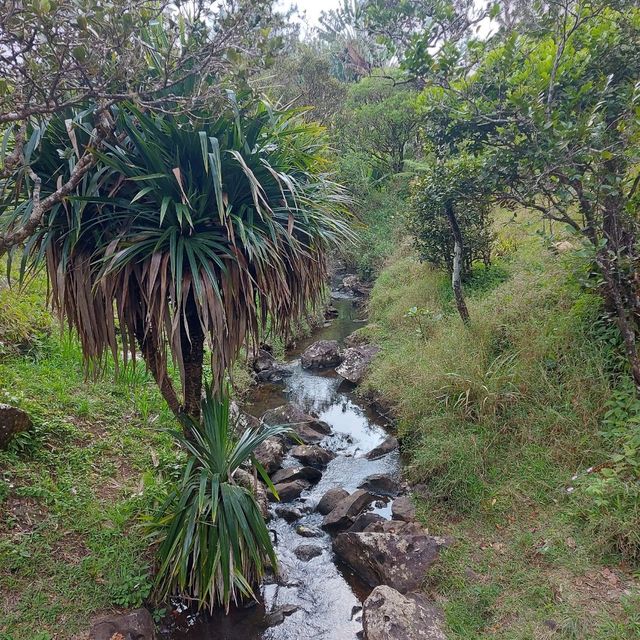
column 321, row 597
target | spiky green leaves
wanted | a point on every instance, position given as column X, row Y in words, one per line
column 206, row 226
column 214, row 545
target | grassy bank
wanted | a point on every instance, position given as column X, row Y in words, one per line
column 497, row 419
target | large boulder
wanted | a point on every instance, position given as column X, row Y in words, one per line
column 313, row 455
column 267, row 369
column 308, row 429
column 356, row 339
column 382, row 484
column 270, row 454
column 12, row 422
column 296, row 473
column 323, row 354
column 397, row 559
column 352, row 284
column 330, row 500
column 306, row 552
column 356, row 362
column 137, row 624
column 387, row 446
column 389, row 615
column 245, row 479
column 366, row 520
column 402, row 508
column 346, row 511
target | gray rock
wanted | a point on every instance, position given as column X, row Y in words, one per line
column 355, row 339
column 296, row 473
column 308, row 429
column 346, row 511
column 399, row 526
column 389, row 615
column 308, row 532
column 270, row 454
column 263, row 361
column 390, row 444
column 278, row 615
column 312, row 455
column 245, row 479
column 397, row 559
column 267, row 369
column 381, row 484
column 402, row 508
column 365, row 520
column 288, row 491
column 12, row 422
column 137, row 624
column 307, row 552
column 353, row 284
column 356, row 362
column 289, row 514
column 330, row 500
column 323, row 354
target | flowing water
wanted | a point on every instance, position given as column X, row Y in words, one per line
column 326, row 596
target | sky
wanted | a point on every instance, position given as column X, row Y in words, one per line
column 312, row 8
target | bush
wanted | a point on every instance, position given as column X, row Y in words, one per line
column 478, row 406
column 214, row 543
column 454, row 186
column 24, row 317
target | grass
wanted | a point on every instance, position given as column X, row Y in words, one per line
column 72, row 491
column 496, row 420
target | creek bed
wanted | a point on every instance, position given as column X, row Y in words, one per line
column 327, row 597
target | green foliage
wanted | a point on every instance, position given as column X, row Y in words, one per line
column 379, row 120
column 343, row 34
column 607, row 497
column 458, row 183
column 495, row 419
column 24, row 317
column 379, row 212
column 212, row 225
column 214, row 544
column 304, row 78
column 73, row 490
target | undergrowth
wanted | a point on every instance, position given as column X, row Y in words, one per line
column 500, row 422
column 73, row 488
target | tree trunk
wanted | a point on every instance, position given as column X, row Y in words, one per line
column 192, row 344
column 158, row 368
column 456, row 275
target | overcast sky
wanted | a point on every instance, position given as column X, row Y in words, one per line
column 312, row 8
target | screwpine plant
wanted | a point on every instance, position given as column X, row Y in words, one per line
column 214, row 543
column 189, row 232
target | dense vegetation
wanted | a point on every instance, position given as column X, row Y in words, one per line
column 173, row 181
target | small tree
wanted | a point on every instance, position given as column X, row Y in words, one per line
column 159, row 54
column 553, row 108
column 450, row 219
column 380, row 120
column 190, row 232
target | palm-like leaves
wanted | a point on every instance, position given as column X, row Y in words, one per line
column 188, row 227
column 215, row 543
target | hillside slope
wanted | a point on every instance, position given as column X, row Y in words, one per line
column 497, row 419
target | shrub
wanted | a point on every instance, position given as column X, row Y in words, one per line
column 214, row 543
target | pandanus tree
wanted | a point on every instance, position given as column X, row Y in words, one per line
column 188, row 236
